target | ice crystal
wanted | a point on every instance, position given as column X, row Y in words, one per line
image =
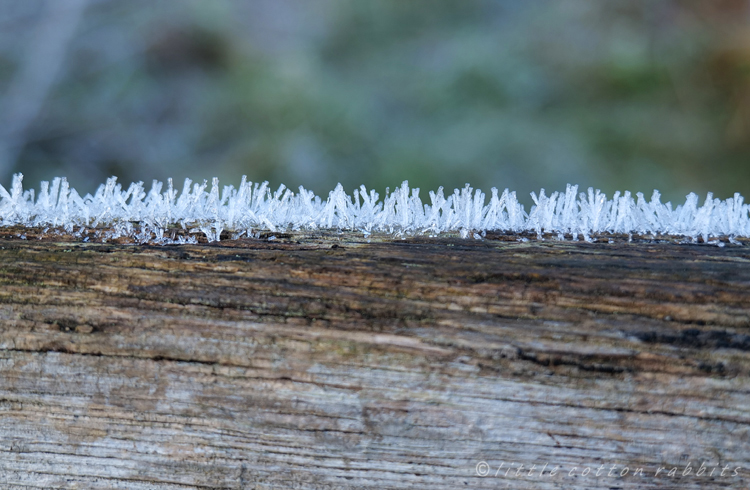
column 145, row 216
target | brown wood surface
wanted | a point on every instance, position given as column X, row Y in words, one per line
column 325, row 362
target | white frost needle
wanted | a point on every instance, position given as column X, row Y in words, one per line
column 146, row 215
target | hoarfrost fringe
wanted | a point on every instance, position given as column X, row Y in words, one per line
column 146, row 215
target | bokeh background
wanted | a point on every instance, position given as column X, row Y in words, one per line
column 615, row 94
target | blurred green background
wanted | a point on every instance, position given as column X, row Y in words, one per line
column 615, row 94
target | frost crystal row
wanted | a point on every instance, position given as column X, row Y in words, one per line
column 146, row 216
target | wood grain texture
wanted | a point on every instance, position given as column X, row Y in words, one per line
column 327, row 362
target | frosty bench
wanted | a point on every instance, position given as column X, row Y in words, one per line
column 324, row 361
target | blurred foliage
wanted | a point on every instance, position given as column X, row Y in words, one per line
column 614, row 94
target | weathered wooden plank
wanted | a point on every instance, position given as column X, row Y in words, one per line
column 330, row 362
